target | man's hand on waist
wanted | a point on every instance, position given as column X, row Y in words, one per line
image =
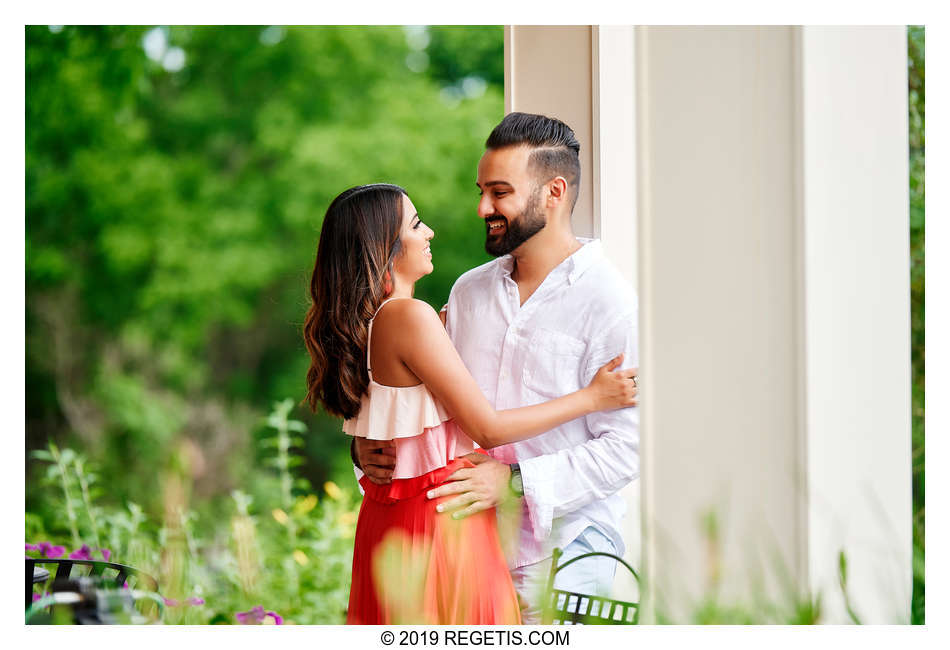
column 479, row 488
column 377, row 458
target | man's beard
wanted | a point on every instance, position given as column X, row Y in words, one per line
column 527, row 225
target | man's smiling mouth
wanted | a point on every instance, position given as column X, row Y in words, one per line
column 496, row 225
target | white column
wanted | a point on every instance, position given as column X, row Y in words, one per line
column 614, row 146
column 722, row 429
column 775, row 317
column 857, row 325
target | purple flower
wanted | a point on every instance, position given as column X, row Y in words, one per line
column 195, row 601
column 252, row 617
column 32, row 547
column 171, row 602
column 256, row 616
column 49, row 551
column 106, row 553
column 84, row 553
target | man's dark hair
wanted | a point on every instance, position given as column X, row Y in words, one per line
column 555, row 146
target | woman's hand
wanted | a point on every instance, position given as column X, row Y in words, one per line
column 611, row 389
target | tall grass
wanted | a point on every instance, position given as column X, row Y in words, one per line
column 289, row 553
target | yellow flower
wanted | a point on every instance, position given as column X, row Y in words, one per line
column 305, row 505
column 280, row 516
column 301, row 557
column 333, row 490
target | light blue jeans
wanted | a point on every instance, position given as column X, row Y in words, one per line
column 593, row 575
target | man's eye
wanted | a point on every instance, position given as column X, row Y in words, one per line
column 498, row 194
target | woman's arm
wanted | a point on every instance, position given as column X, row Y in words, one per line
column 428, row 352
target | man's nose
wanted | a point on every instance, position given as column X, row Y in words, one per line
column 485, row 207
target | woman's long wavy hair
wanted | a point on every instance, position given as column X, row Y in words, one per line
column 358, row 242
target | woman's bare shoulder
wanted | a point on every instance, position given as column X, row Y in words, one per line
column 409, row 312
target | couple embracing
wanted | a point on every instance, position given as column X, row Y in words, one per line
column 512, row 397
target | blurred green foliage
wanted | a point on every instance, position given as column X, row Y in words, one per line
column 915, row 107
column 289, row 552
column 176, row 179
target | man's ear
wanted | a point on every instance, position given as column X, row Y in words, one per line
column 557, row 190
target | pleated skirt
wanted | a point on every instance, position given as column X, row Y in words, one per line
column 413, row 565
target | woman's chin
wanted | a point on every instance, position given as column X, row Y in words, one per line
column 423, row 273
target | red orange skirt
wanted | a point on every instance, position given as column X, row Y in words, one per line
column 413, row 565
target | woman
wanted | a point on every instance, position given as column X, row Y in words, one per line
column 383, row 361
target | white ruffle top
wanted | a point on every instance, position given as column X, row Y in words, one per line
column 426, row 436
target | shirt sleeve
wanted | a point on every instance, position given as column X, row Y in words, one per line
column 451, row 308
column 359, row 475
column 558, row 483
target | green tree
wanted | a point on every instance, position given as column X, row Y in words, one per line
column 176, row 179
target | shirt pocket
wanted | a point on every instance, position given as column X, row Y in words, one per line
column 552, row 366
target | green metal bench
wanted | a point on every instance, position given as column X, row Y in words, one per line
column 572, row 608
column 94, row 594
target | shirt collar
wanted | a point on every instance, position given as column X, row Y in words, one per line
column 574, row 266
column 583, row 258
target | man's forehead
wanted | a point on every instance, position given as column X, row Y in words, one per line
column 508, row 164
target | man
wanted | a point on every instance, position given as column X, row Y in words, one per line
column 537, row 323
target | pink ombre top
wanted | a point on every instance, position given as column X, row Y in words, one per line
column 426, row 436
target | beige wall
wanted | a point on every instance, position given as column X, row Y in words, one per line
column 548, row 71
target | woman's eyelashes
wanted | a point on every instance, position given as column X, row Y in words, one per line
column 417, row 223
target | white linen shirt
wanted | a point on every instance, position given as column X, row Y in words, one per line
column 582, row 315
